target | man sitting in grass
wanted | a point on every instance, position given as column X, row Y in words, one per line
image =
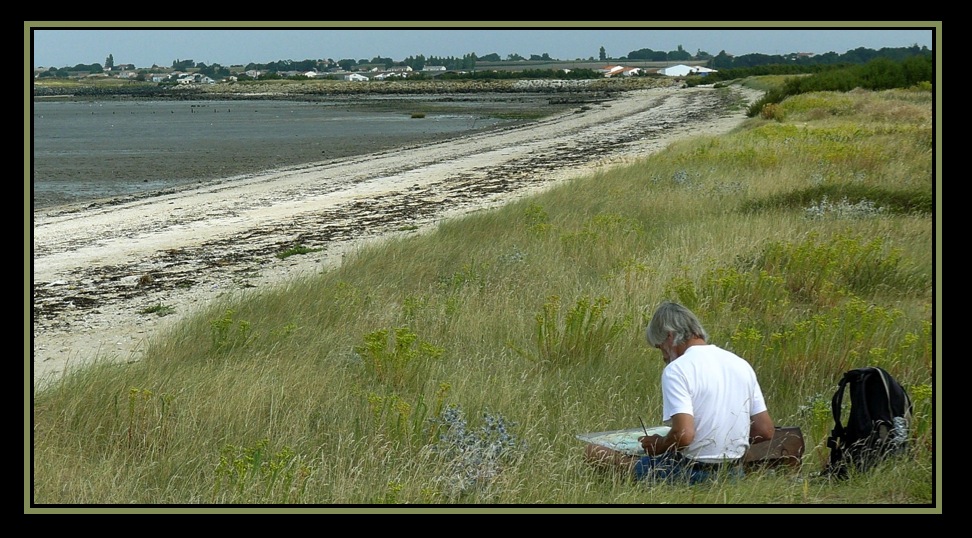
column 710, row 398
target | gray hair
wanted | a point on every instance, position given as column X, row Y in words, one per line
column 675, row 319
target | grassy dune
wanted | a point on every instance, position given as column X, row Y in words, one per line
column 455, row 367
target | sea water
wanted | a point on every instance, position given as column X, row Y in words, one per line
column 87, row 150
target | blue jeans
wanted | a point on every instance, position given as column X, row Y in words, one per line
column 674, row 467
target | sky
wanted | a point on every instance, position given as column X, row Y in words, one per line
column 144, row 44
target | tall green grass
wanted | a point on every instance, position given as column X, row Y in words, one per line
column 456, row 367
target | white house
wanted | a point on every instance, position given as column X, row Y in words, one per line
column 355, row 77
column 682, row 70
column 611, row 70
column 383, row 76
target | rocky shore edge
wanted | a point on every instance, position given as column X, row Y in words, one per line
column 580, row 90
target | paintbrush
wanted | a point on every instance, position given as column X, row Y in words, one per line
column 643, row 427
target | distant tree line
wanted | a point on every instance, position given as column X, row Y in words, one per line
column 465, row 63
column 281, row 66
column 677, row 55
column 920, row 59
column 724, row 60
column 859, row 55
column 64, row 72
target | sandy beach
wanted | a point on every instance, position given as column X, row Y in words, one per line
column 98, row 268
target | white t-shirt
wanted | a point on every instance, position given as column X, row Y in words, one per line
column 720, row 391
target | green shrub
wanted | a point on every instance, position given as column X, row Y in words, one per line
column 581, row 336
column 389, row 362
column 772, row 111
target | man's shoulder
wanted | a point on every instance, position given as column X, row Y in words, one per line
column 712, row 352
column 707, row 351
column 714, row 349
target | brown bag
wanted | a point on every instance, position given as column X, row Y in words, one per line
column 784, row 449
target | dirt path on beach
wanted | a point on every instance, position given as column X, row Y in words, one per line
column 96, row 270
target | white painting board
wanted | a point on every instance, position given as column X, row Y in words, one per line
column 624, row 441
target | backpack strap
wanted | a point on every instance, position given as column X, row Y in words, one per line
column 887, row 389
column 897, row 395
column 837, row 434
column 899, row 403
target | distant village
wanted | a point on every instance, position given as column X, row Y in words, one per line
column 375, row 73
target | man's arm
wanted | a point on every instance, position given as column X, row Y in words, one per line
column 761, row 428
column 680, row 436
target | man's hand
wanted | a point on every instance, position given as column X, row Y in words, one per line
column 651, row 444
column 679, row 436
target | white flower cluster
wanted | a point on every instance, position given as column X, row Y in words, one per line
column 473, row 458
column 516, row 256
column 842, row 209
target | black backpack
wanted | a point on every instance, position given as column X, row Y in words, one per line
column 877, row 425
